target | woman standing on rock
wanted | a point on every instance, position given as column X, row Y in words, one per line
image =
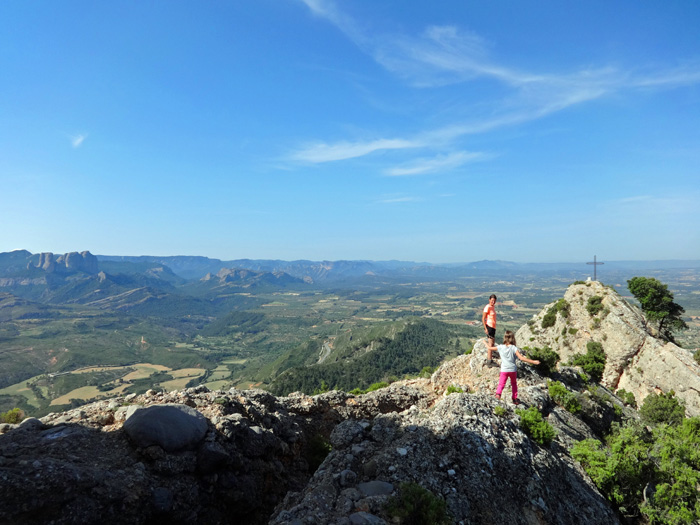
column 509, row 370
column 488, row 319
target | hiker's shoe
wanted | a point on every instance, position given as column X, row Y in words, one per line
column 497, row 396
column 490, row 364
column 516, row 401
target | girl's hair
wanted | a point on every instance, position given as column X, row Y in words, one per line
column 509, row 338
column 493, row 296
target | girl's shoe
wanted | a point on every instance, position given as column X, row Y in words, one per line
column 497, row 397
column 516, row 401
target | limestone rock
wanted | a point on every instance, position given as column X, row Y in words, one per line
column 71, row 262
column 637, row 361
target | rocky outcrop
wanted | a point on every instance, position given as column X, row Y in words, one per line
column 248, row 457
column 482, row 464
column 637, row 360
column 69, row 262
column 46, row 262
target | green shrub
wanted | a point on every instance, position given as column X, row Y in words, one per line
column 675, row 454
column 13, row 416
column 621, row 471
column 452, row 389
column 549, row 318
column 656, row 474
column 563, row 397
column 573, row 331
column 547, row 357
column 500, row 411
column 696, row 356
column 662, row 408
column 317, row 450
column 627, row 397
column 594, row 305
column 593, row 361
column 426, row 372
column 561, row 307
column 377, row 386
column 414, row 505
column 371, row 388
column 536, row 427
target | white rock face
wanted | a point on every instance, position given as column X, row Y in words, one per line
column 636, row 360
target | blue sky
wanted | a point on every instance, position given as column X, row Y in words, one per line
column 441, row 131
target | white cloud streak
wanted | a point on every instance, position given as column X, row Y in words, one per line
column 396, row 200
column 77, row 140
column 321, row 152
column 435, row 164
column 444, row 55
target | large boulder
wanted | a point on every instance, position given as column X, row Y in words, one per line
column 172, row 427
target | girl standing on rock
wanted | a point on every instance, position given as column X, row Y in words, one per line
column 508, row 352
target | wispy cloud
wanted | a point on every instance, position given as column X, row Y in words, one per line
column 396, row 200
column 322, row 152
column 642, row 205
column 77, row 140
column 443, row 55
column 439, row 163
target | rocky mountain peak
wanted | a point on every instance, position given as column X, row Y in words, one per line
column 637, row 360
column 71, row 262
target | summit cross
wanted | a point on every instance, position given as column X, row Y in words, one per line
column 595, row 265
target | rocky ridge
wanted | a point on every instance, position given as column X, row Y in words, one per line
column 68, row 262
column 248, row 457
column 637, row 360
column 198, row 456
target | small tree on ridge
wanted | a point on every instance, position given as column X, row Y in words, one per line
column 658, row 305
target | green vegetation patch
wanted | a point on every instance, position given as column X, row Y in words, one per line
column 655, row 473
column 13, row 416
column 627, row 397
column 594, row 305
column 563, row 397
column 424, row 342
column 592, row 362
column 561, row 307
column 415, row 505
column 534, row 425
column 547, row 357
column 316, row 451
column 662, row 408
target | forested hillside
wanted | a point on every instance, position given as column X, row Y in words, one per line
column 422, row 343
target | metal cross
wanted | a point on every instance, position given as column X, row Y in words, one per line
column 595, row 264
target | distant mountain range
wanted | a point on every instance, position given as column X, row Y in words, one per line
column 195, row 267
column 19, row 268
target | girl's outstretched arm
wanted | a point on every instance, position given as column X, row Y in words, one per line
column 523, row 358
